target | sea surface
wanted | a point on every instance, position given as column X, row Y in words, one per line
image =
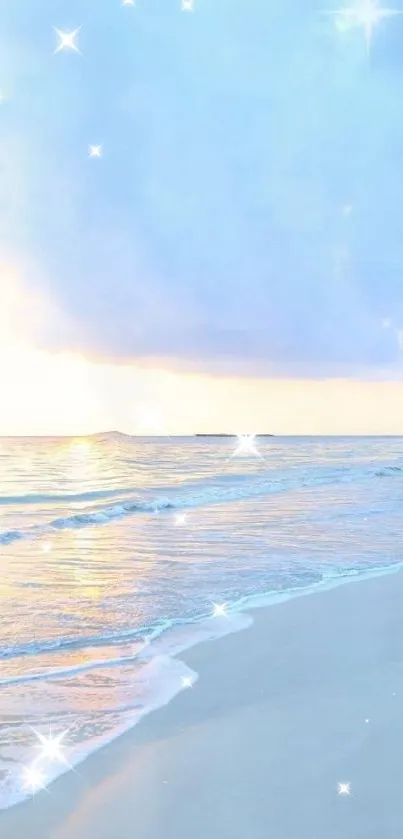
column 115, row 552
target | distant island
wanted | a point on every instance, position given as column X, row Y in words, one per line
column 233, row 435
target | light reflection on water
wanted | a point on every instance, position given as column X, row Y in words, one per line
column 78, row 601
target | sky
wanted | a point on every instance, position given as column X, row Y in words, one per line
column 233, row 258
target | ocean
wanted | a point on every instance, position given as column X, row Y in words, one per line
column 116, row 552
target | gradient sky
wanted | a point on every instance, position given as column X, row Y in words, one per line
column 242, row 233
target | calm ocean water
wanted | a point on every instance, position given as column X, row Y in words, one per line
column 114, row 550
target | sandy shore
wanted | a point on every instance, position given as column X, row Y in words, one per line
column 309, row 697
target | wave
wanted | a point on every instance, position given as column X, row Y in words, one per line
column 163, row 674
column 158, row 682
column 202, row 627
column 208, row 494
column 86, row 641
column 68, row 497
column 155, row 633
column 388, row 471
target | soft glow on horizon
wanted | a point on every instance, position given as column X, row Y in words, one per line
column 66, row 394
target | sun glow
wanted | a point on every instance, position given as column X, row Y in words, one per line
column 53, row 388
column 42, row 392
column 61, row 393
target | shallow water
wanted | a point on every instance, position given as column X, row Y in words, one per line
column 114, row 550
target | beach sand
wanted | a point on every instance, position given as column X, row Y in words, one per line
column 309, row 697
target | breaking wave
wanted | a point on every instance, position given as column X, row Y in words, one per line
column 190, row 497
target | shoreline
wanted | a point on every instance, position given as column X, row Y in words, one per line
column 245, row 679
column 168, row 648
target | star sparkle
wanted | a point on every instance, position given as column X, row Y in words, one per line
column 246, row 445
column 187, row 6
column 51, row 746
column 33, row 779
column 343, row 789
column 365, row 14
column 187, row 682
column 95, row 151
column 67, row 40
column 219, row 610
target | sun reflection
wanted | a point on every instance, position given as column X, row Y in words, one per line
column 80, row 446
column 84, row 467
column 92, row 588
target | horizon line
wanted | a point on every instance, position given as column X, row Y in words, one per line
column 188, row 436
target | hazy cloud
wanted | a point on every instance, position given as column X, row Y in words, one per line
column 247, row 211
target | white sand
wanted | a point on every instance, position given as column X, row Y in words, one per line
column 257, row 748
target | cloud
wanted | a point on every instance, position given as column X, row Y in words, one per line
column 246, row 213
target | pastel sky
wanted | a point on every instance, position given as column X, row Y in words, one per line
column 234, row 258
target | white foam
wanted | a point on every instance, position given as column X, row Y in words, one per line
column 157, row 682
column 162, row 675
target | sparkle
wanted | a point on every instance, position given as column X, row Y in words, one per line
column 180, row 518
column 127, row 2
column 187, row 6
column 95, row 151
column 67, row 40
column 246, row 445
column 33, row 778
column 47, row 548
column 343, row 789
column 366, row 14
column 367, row 721
column 219, row 610
column 51, row 746
column 187, row 682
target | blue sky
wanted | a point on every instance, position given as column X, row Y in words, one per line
column 247, row 211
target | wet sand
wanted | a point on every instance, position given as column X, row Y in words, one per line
column 307, row 698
